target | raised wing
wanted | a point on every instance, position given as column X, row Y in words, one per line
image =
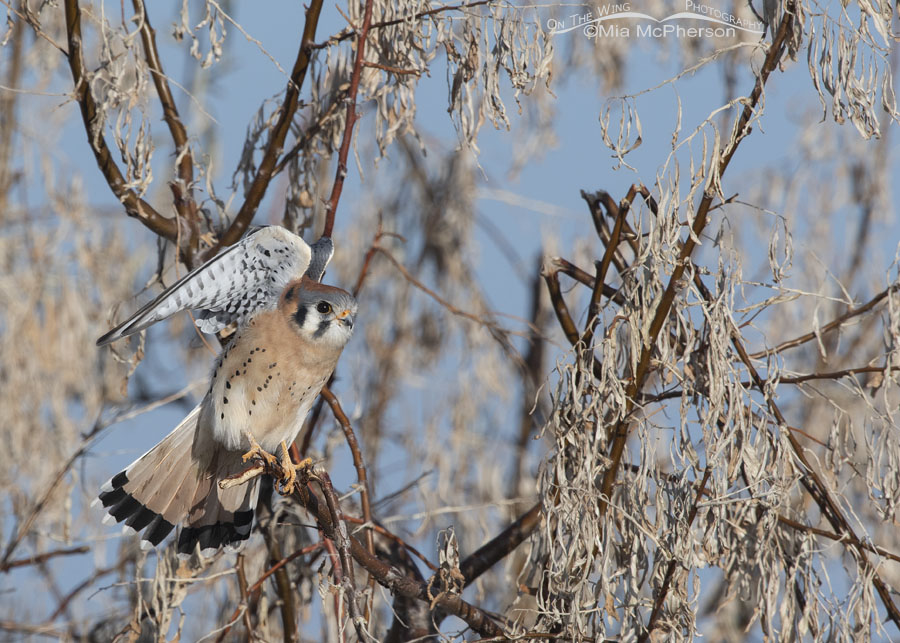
column 243, row 279
column 322, row 252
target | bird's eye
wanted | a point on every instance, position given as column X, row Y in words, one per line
column 323, row 307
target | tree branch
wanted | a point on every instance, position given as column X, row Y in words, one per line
column 275, row 144
column 350, row 121
column 673, row 563
column 134, row 205
column 39, row 559
column 182, row 190
column 835, row 323
column 399, row 583
column 619, row 432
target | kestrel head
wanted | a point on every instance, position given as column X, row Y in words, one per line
column 319, row 313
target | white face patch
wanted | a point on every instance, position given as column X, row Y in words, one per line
column 325, row 318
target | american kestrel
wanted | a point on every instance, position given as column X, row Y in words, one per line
column 290, row 332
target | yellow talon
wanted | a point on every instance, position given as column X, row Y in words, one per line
column 290, row 470
column 257, row 451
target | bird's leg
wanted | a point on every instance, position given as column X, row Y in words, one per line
column 257, row 451
column 290, row 469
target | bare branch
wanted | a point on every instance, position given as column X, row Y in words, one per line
column 350, row 121
column 279, row 132
column 134, row 205
column 184, row 202
column 39, row 559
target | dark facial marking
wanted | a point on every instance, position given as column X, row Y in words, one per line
column 323, row 326
column 289, row 295
column 300, row 315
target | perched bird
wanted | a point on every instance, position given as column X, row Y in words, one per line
column 290, row 332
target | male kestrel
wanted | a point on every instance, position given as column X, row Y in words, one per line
column 290, row 332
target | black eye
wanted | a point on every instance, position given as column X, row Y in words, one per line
column 323, row 307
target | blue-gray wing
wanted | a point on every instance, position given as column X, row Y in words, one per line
column 243, row 279
column 322, row 252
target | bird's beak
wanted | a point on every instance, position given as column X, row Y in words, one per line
column 346, row 317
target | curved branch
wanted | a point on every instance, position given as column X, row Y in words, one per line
column 134, row 205
column 184, row 201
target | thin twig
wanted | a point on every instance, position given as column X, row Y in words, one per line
column 548, row 272
column 342, row 537
column 830, row 535
column 836, row 323
column 531, row 378
column 37, row 630
column 242, row 589
column 612, row 247
column 337, row 571
column 350, row 32
column 283, row 586
column 350, row 121
column 275, row 144
column 361, row 476
column 558, row 264
column 570, row 330
column 393, row 70
column 673, row 563
column 38, row 559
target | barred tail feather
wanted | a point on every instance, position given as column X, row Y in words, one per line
column 220, row 517
column 176, row 482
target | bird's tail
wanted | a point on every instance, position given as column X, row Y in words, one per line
column 176, row 482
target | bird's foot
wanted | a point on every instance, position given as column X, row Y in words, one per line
column 257, row 451
column 290, row 480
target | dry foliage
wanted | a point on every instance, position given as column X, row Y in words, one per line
column 692, row 433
